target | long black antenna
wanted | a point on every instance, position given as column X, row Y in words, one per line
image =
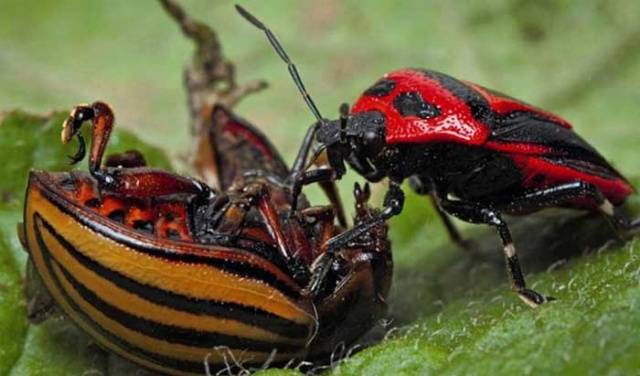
column 283, row 55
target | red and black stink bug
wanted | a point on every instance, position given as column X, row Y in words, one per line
column 479, row 153
column 184, row 279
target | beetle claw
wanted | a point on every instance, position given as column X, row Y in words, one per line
column 82, row 150
column 532, row 298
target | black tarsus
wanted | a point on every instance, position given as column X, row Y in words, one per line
column 81, row 115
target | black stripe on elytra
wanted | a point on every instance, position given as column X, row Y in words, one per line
column 234, row 311
column 382, row 88
column 477, row 104
column 117, row 341
column 172, row 333
column 231, row 266
column 410, row 103
column 525, row 127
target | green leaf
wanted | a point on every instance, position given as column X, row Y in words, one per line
column 461, row 319
column 13, row 315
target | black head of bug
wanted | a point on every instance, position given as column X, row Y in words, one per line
column 357, row 138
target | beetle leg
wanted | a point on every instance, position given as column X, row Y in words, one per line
column 538, row 199
column 452, row 230
column 362, row 194
column 101, row 117
column 363, row 213
column 330, row 190
column 477, row 213
column 320, row 175
column 298, row 180
column 230, row 219
column 326, row 179
column 254, row 195
column 300, row 162
column 393, row 203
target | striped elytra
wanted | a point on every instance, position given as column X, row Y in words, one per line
column 164, row 304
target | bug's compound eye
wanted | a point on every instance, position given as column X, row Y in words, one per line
column 372, row 141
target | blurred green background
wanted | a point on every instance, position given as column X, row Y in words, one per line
column 578, row 59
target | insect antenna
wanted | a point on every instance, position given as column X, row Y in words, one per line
column 293, row 71
column 344, row 115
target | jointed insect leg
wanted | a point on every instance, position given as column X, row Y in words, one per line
column 393, row 203
column 476, row 213
column 452, row 230
column 547, row 197
column 101, row 117
column 299, row 177
column 309, row 177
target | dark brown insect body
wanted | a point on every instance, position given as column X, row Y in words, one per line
column 177, row 277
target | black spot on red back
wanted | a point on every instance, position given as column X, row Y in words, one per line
column 381, row 88
column 480, row 108
column 412, row 104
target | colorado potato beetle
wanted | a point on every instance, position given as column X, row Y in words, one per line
column 181, row 278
